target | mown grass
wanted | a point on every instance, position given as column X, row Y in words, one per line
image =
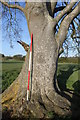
column 67, row 74
column 10, row 71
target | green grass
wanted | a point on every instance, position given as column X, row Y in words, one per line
column 67, row 74
column 68, row 77
column 8, row 66
column 10, row 71
column 73, row 82
column 53, row 116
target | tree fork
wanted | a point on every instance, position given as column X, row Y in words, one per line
column 44, row 96
column 44, row 51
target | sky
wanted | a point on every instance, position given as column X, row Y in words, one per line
column 17, row 48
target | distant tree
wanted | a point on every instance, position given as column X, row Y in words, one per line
column 7, row 57
column 18, row 57
column 2, row 55
column 24, row 57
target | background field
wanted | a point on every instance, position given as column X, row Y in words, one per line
column 10, row 71
column 68, row 74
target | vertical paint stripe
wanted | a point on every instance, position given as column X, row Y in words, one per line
column 30, row 61
column 29, row 66
column 28, row 79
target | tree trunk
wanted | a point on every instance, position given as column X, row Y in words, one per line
column 44, row 96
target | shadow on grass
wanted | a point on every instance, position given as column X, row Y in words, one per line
column 64, row 75
column 75, row 105
column 75, row 99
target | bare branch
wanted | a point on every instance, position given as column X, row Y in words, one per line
column 76, row 37
column 53, row 5
column 14, row 6
column 62, row 33
column 59, row 8
column 76, row 23
column 24, row 45
column 65, row 10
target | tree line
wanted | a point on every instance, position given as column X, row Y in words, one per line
column 61, row 59
column 16, row 57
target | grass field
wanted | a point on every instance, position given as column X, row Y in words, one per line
column 68, row 75
column 10, row 71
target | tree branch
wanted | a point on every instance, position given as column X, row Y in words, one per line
column 62, row 33
column 59, row 8
column 53, row 5
column 24, row 45
column 65, row 10
column 76, row 23
column 76, row 37
column 14, row 6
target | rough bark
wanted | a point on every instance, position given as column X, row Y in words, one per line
column 45, row 95
column 45, row 54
